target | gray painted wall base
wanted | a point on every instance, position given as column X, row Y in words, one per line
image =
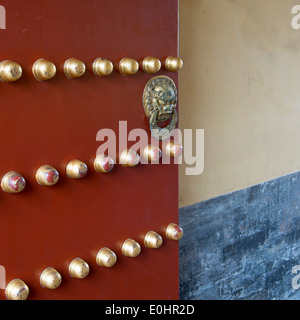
column 242, row 245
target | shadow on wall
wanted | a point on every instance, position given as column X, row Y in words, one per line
column 240, row 83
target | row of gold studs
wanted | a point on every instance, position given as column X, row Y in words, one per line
column 50, row 278
column 73, row 68
column 46, row 175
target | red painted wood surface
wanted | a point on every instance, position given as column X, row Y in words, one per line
column 55, row 121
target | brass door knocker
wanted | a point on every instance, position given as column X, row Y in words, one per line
column 160, row 100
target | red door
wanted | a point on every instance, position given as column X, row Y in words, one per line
column 52, row 122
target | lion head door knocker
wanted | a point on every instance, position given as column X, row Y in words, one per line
column 160, row 100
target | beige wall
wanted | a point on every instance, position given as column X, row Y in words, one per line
column 241, row 83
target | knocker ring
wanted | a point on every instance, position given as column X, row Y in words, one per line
column 160, row 100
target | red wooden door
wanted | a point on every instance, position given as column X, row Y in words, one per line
column 52, row 122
